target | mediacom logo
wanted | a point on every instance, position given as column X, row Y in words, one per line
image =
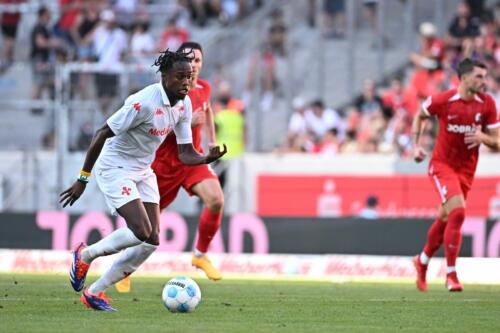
column 462, row 128
column 159, row 132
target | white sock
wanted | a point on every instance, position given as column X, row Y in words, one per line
column 198, row 253
column 111, row 244
column 451, row 269
column 124, row 265
column 424, row 259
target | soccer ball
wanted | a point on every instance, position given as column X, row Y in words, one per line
column 181, row 294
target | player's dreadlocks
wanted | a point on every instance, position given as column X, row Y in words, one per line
column 167, row 59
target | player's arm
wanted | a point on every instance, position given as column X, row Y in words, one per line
column 417, row 128
column 75, row 191
column 184, row 136
column 491, row 138
column 189, row 156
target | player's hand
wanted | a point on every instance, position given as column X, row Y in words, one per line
column 419, row 154
column 473, row 139
column 72, row 194
column 215, row 153
column 199, row 118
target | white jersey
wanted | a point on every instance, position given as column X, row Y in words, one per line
column 141, row 125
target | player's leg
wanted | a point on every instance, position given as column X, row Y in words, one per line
column 210, row 193
column 137, row 231
column 120, row 192
column 455, row 209
column 149, row 188
column 208, row 189
column 132, row 257
column 435, row 237
column 447, row 184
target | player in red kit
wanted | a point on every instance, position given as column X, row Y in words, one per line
column 202, row 182
column 467, row 118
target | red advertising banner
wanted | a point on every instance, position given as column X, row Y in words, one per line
column 398, row 196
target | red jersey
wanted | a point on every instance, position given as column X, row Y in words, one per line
column 457, row 117
column 168, row 154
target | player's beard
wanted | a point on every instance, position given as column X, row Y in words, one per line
column 480, row 89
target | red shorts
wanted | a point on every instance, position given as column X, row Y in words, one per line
column 448, row 182
column 171, row 179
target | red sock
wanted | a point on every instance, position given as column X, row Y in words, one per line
column 435, row 237
column 453, row 235
column 207, row 228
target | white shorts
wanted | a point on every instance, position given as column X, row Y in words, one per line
column 121, row 186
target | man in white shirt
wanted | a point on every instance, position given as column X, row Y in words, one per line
column 319, row 120
column 110, row 45
column 122, row 152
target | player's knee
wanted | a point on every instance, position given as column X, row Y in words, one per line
column 143, row 232
column 215, row 202
column 154, row 237
column 459, row 213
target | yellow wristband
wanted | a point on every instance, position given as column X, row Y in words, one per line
column 85, row 173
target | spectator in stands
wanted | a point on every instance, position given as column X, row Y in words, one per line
column 83, row 34
column 431, row 50
column 370, row 211
column 277, row 33
column 173, row 36
column 130, row 12
column 230, row 129
column 85, row 135
column 110, row 44
column 83, row 29
column 297, row 124
column 464, row 25
column 329, row 144
column 350, row 145
column 142, row 43
column 10, row 21
column 64, row 28
column 373, row 117
column 142, row 51
column 224, row 99
column 43, row 46
column 333, row 25
column 397, row 99
column 319, row 120
column 369, row 102
column 202, row 10
column 266, row 59
column 230, row 10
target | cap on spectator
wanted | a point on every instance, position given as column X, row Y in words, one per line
column 298, row 103
column 107, row 15
column 427, row 29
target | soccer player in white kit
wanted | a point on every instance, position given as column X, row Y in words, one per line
column 121, row 153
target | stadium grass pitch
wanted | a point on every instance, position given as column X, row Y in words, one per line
column 46, row 303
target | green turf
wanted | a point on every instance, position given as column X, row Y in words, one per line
column 39, row 303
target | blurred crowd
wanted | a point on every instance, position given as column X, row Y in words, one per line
column 379, row 120
column 107, row 34
column 110, row 33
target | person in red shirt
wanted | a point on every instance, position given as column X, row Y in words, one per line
column 9, row 22
column 173, row 36
column 467, row 118
column 199, row 181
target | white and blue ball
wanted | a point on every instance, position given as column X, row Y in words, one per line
column 181, row 294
